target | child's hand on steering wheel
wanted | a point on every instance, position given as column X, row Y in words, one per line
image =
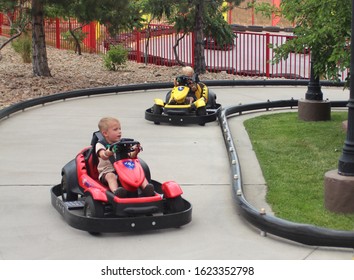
column 135, row 150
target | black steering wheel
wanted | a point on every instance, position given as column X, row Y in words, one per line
column 124, row 145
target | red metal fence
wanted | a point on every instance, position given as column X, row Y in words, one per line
column 249, row 55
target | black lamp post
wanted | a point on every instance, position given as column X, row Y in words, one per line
column 314, row 88
column 346, row 161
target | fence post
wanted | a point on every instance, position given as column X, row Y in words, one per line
column 1, row 22
column 192, row 49
column 57, row 33
column 138, row 54
column 92, row 43
column 267, row 55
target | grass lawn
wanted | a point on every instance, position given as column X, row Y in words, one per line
column 294, row 156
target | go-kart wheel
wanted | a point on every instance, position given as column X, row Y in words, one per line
column 93, row 208
column 201, row 111
column 157, row 110
column 66, row 194
column 176, row 204
column 211, row 100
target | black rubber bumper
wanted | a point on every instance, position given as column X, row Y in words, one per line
column 72, row 212
column 211, row 116
column 303, row 233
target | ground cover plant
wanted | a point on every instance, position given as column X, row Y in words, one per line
column 294, row 156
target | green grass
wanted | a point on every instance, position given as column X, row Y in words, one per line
column 294, row 156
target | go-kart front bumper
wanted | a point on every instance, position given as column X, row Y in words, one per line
column 181, row 119
column 72, row 212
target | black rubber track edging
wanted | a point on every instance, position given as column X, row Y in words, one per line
column 302, row 233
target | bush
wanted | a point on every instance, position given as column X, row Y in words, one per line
column 116, row 57
column 23, row 46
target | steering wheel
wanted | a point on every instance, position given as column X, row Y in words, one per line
column 124, row 145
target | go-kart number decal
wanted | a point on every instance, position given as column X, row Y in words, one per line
column 86, row 183
column 129, row 164
column 180, row 88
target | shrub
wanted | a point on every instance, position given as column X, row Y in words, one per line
column 116, row 57
column 23, row 46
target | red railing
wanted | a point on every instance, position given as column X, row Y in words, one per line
column 249, row 55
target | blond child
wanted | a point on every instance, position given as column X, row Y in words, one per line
column 111, row 130
column 187, row 72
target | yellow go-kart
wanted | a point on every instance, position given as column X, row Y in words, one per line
column 187, row 103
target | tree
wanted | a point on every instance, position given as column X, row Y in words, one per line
column 117, row 15
column 202, row 17
column 324, row 27
column 21, row 13
column 18, row 15
column 39, row 59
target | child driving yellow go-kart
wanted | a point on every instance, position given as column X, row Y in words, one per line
column 189, row 102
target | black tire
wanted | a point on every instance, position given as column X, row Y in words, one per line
column 175, row 204
column 201, row 111
column 211, row 100
column 156, row 110
column 66, row 193
column 93, row 208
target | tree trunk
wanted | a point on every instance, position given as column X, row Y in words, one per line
column 39, row 59
column 175, row 46
column 76, row 40
column 199, row 57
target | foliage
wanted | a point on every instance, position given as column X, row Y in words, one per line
column 322, row 26
column 294, row 156
column 203, row 17
column 23, row 46
column 18, row 23
column 79, row 34
column 115, row 58
column 116, row 14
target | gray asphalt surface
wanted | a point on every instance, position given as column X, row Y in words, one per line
column 36, row 143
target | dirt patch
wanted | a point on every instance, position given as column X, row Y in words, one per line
column 71, row 72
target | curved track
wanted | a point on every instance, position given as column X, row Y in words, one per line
column 305, row 234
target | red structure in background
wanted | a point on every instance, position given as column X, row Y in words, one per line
column 250, row 54
column 275, row 19
column 1, row 22
column 90, row 40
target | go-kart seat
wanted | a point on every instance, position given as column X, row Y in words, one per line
column 91, row 158
column 91, row 163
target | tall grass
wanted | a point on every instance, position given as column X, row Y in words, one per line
column 23, row 46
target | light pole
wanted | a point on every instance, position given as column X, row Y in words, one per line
column 339, row 183
column 313, row 107
column 314, row 88
column 346, row 161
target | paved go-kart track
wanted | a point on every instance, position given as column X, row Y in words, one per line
column 37, row 142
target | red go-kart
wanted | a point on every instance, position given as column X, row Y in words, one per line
column 87, row 204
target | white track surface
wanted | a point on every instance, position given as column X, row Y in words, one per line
column 36, row 143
